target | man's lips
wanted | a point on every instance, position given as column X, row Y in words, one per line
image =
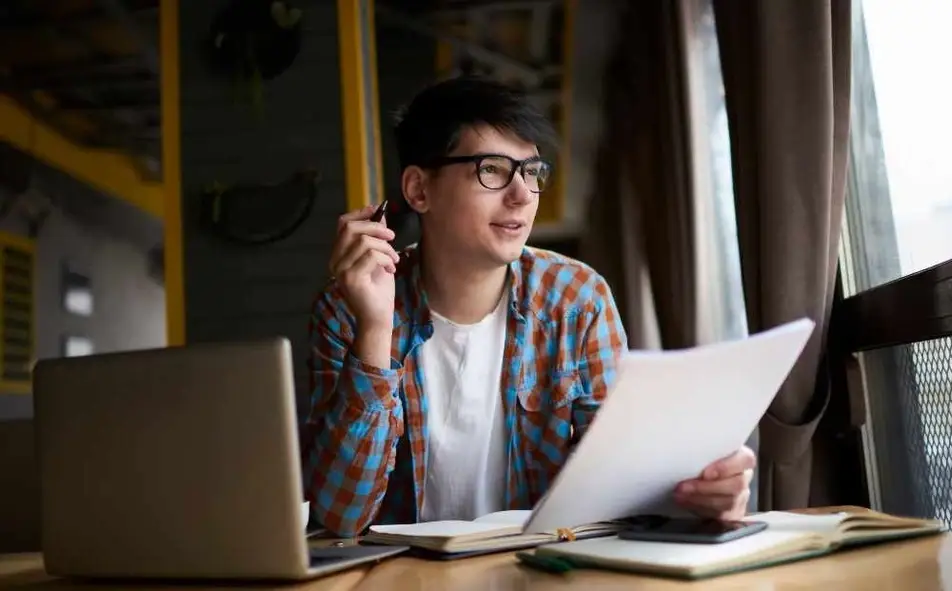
column 509, row 225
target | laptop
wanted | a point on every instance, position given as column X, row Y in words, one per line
column 180, row 462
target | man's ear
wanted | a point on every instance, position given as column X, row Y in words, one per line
column 413, row 183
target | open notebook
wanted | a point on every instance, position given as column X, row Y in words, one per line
column 503, row 530
column 788, row 537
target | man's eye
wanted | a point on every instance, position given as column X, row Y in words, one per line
column 489, row 169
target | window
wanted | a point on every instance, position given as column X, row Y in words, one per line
column 901, row 126
column 725, row 309
column 16, row 314
column 76, row 346
column 77, row 293
column 898, row 224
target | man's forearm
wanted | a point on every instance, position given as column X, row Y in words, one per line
column 349, row 466
column 352, row 447
column 372, row 345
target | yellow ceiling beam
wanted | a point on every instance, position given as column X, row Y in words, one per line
column 107, row 171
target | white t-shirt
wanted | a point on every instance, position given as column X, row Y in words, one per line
column 467, row 452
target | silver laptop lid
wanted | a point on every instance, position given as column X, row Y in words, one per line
column 177, row 462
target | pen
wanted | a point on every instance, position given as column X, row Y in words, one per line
column 378, row 214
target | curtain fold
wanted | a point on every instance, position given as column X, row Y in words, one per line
column 641, row 211
column 786, row 68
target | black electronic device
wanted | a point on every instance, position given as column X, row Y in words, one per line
column 657, row 528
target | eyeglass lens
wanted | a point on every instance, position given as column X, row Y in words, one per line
column 497, row 172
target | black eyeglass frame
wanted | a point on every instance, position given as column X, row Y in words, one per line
column 477, row 159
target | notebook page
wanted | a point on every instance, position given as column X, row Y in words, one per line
column 665, row 554
column 511, row 517
column 442, row 529
column 670, row 414
column 792, row 522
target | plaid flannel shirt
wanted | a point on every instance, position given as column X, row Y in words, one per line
column 364, row 443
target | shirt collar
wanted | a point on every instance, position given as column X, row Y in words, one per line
column 414, row 308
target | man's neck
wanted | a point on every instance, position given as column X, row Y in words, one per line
column 460, row 293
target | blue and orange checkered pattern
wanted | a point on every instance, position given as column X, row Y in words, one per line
column 364, row 443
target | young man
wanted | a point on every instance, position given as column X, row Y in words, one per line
column 452, row 379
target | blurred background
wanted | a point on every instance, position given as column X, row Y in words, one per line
column 171, row 172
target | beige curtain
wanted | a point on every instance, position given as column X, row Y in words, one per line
column 641, row 211
column 786, row 66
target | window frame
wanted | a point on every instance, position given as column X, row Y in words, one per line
column 883, row 310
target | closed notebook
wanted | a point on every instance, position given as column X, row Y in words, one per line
column 498, row 531
column 788, row 537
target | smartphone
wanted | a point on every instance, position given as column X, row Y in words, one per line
column 657, row 528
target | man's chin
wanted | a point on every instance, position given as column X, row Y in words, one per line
column 505, row 256
column 491, row 257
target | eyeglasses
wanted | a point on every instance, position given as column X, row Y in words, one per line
column 496, row 171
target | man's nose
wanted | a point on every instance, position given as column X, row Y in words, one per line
column 518, row 192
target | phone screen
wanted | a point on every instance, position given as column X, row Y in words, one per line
column 658, row 528
column 709, row 527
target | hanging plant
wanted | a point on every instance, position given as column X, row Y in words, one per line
column 254, row 41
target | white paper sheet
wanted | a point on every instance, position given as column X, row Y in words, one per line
column 670, row 415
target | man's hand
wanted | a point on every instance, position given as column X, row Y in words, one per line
column 722, row 489
column 364, row 263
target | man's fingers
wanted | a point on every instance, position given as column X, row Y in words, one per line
column 733, row 485
column 375, row 229
column 372, row 234
column 370, row 262
column 739, row 461
column 363, row 244
column 711, row 506
column 353, row 231
column 363, row 213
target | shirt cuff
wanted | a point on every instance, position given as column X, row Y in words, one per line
column 375, row 386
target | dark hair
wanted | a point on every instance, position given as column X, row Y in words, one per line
column 429, row 127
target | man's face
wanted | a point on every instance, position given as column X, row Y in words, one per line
column 481, row 226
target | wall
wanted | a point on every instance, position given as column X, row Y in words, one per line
column 234, row 292
column 107, row 240
column 129, row 304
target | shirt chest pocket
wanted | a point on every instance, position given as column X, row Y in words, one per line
column 544, row 420
column 549, row 391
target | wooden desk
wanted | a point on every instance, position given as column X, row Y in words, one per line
column 25, row 571
column 915, row 565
